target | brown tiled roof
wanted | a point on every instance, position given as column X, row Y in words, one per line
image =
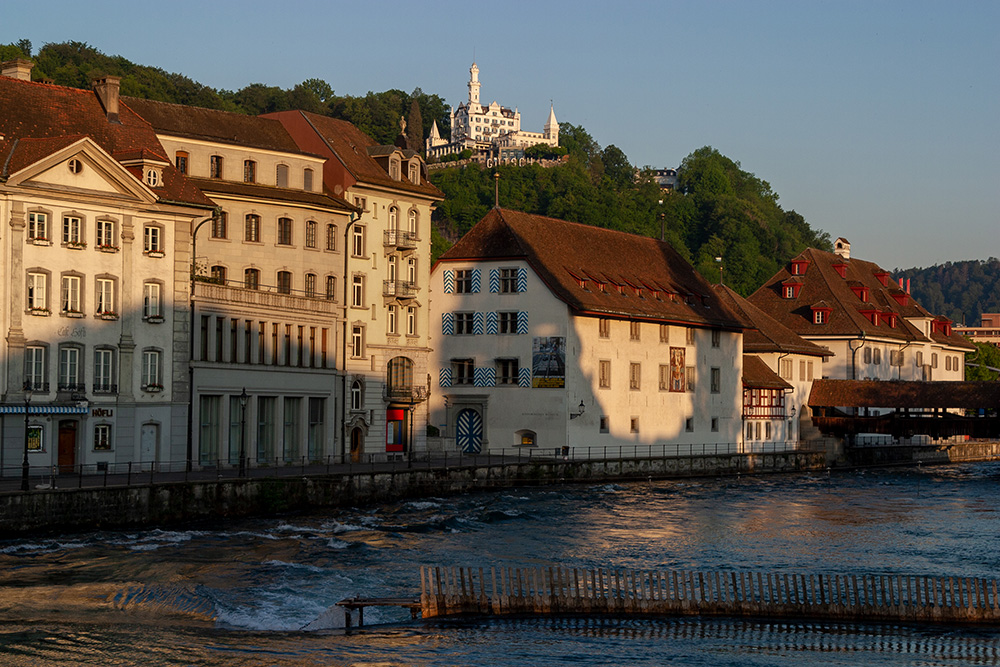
column 212, row 185
column 45, row 118
column 351, row 146
column 897, row 394
column 824, row 287
column 768, row 334
column 562, row 252
column 214, row 125
column 757, row 374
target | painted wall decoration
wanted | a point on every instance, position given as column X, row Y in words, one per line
column 548, row 362
column 677, row 369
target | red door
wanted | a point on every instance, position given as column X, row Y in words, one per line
column 67, row 445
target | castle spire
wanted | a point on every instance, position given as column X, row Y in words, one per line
column 551, row 129
column 474, row 86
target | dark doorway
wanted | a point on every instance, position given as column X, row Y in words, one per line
column 67, row 445
column 357, row 438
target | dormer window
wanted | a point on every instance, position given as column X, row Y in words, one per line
column 841, row 269
column 861, row 292
column 790, row 289
column 799, row 267
column 892, row 320
column 153, row 178
column 883, row 277
column 394, row 168
column 821, row 313
column 414, row 172
column 902, row 298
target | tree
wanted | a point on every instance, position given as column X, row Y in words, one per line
column 617, row 168
column 415, row 128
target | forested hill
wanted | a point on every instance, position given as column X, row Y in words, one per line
column 961, row 291
column 719, row 210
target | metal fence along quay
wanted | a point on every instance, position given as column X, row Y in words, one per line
column 558, row 590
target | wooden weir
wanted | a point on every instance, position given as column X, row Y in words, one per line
column 558, row 590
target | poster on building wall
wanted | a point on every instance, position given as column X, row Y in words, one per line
column 548, row 362
column 677, row 369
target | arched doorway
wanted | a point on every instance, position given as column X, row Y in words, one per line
column 357, row 444
column 469, row 431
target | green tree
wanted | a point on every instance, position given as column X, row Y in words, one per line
column 415, row 127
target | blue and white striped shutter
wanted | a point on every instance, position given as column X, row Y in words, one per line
column 476, row 279
column 522, row 322
column 477, row 324
column 522, row 280
column 485, row 377
column 491, row 323
column 449, row 281
column 448, row 324
column 523, row 377
column 494, row 280
column 444, row 377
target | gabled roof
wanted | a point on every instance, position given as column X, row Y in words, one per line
column 38, row 119
column 768, row 334
column 758, row 375
column 824, row 287
column 213, row 125
column 562, row 252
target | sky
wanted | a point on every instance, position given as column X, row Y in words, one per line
column 877, row 120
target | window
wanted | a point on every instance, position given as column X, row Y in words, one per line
column 281, row 176
column 664, row 333
column 392, row 316
column 307, row 179
column 357, row 341
column 633, row 331
column 786, row 369
column 603, row 426
column 218, row 274
column 507, row 371
column 153, row 177
column 868, row 355
column 75, row 166
column 767, row 430
column 877, row 356
column 411, row 270
column 152, row 306
column 689, row 336
column 317, row 408
column 104, row 361
column 716, row 380
column 400, row 374
column 819, row 317
column 689, row 424
column 393, row 218
column 357, row 395
column 106, row 235
column 37, row 283
column 664, row 377
column 331, row 288
column 414, row 174
column 215, row 166
column 411, row 223
column 72, row 231
column 71, row 294
column 181, row 162
column 463, row 281
column 391, row 264
column 715, row 424
column 151, row 370
column 934, row 360
column 508, row 322
column 220, row 226
column 716, row 337
column 311, row 285
column 358, row 291
column 464, row 323
column 251, row 228
column 411, row 321
column 102, row 437
column 38, row 227
column 284, row 282
column 69, row 369
column 311, row 233
column 634, row 376
column 34, row 367
column 152, row 241
column 689, row 376
column 331, row 237
column 358, row 241
column 633, row 425
column 251, row 279
column 604, row 374
column 249, row 171
column 463, row 371
column 604, row 327
column 105, row 296
column 284, row 231
column 789, row 292
column 508, row 281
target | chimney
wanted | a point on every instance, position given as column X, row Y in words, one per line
column 842, row 247
column 107, row 89
column 17, row 69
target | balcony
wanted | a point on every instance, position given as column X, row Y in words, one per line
column 399, row 289
column 105, row 388
column 405, row 394
column 400, row 239
column 235, row 294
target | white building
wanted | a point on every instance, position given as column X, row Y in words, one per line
column 488, row 129
column 95, row 228
column 558, row 334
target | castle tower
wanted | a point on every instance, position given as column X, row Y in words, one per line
column 474, row 87
column 551, row 129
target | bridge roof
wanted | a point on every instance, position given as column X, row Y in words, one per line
column 901, row 394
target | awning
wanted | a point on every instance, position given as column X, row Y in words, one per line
column 44, row 410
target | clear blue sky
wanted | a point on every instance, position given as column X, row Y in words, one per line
column 877, row 121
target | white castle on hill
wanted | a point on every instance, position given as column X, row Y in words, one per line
column 488, row 131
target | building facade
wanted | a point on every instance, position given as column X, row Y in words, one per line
column 547, row 339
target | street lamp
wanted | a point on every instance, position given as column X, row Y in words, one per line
column 24, row 464
column 719, row 262
column 243, row 432
column 582, row 409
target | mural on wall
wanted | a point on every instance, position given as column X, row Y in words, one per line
column 548, row 362
column 677, row 369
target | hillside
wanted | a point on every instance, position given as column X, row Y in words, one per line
column 961, row 291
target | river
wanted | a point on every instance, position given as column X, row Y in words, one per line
column 242, row 593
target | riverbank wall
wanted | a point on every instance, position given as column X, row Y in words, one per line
column 920, row 454
column 149, row 505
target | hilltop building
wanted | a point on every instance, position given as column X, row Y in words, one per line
column 546, row 339
column 488, row 130
column 988, row 330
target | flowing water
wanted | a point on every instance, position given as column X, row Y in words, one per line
column 257, row 592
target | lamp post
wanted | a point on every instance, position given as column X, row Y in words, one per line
column 243, row 432
column 24, row 464
column 719, row 262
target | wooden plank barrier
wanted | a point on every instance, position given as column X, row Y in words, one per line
column 558, row 590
